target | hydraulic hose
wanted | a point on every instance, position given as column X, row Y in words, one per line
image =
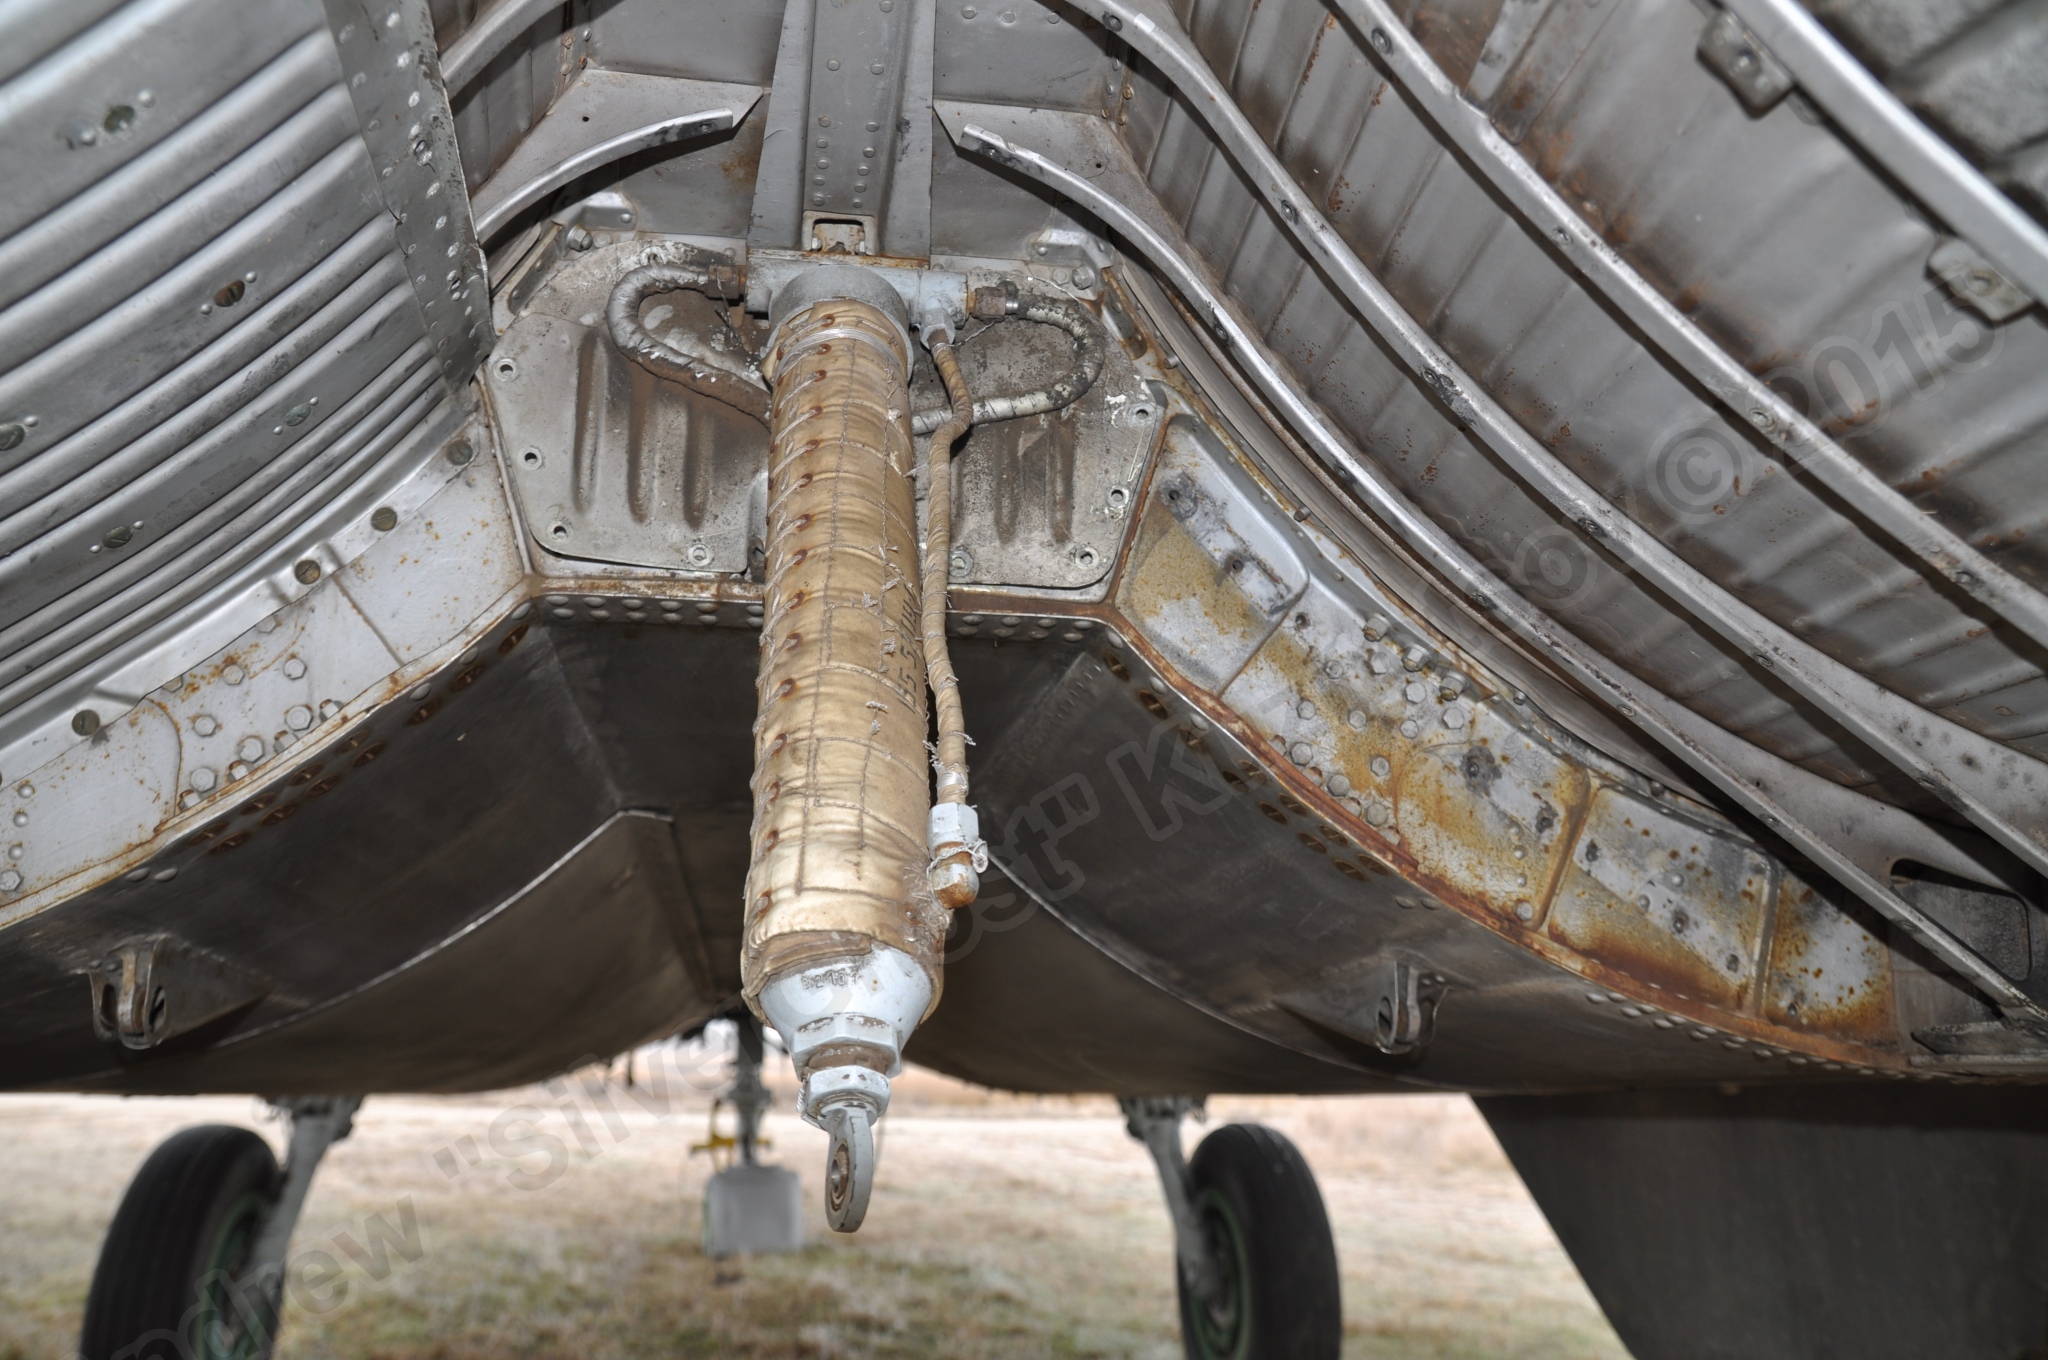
column 713, row 374
column 958, row 854
column 1090, row 347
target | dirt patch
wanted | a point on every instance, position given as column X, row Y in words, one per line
column 506, row 1225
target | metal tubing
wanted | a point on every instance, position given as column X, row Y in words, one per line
column 950, row 764
column 1748, row 398
column 1994, row 786
column 1678, row 729
column 840, row 784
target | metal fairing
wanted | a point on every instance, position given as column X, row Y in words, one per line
column 406, row 708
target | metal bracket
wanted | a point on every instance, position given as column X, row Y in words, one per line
column 1976, row 282
column 1759, row 79
column 604, row 117
column 148, row 991
column 1155, row 1122
column 1391, row 1004
column 1404, row 1007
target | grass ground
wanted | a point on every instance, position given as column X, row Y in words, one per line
column 558, row 1222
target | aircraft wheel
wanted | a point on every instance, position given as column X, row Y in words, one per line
column 164, row 1286
column 1275, row 1294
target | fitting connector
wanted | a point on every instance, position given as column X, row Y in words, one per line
column 936, row 319
column 845, row 1024
column 959, row 854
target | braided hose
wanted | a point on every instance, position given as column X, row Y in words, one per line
column 711, row 374
column 954, row 839
column 1090, row 346
column 950, row 764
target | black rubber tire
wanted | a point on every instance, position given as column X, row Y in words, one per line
column 185, row 1226
column 1270, row 1239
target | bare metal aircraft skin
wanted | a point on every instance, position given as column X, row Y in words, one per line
column 1305, row 547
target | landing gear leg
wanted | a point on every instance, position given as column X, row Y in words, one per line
column 749, row 1207
column 1257, row 1267
column 193, row 1266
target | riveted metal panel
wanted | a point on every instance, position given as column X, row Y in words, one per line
column 466, row 529
column 634, row 469
column 303, row 74
column 219, row 312
column 343, row 360
column 1208, row 585
column 1665, row 901
column 1829, row 969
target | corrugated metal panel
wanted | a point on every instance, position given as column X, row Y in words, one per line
column 208, row 330
column 1771, row 232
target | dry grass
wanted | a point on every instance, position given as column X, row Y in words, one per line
column 1001, row 1227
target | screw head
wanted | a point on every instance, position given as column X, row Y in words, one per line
column 118, row 536
column 383, row 519
column 461, row 452
column 85, row 722
column 11, row 435
column 307, row 571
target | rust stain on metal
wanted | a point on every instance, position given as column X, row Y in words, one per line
column 1666, row 902
column 1827, row 971
column 1694, row 954
column 1175, row 588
